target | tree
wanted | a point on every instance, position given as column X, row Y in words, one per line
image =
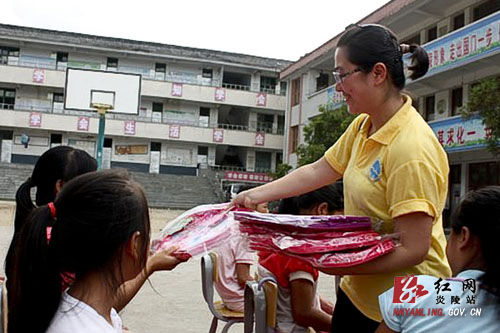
column 322, row 132
column 281, row 170
column 484, row 99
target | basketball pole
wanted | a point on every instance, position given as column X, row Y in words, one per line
column 100, row 136
column 101, row 109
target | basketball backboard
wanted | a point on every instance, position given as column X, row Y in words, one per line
column 86, row 88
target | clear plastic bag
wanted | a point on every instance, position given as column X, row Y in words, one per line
column 198, row 230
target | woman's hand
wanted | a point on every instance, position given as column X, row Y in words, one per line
column 246, row 199
column 166, row 260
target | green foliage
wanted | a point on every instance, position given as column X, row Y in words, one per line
column 281, row 170
column 322, row 132
column 484, row 99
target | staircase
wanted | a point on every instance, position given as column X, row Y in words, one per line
column 162, row 190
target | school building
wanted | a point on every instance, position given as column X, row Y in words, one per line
column 198, row 108
column 462, row 38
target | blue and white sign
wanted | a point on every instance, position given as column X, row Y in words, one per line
column 457, row 134
column 470, row 43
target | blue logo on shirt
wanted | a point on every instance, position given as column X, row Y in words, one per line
column 376, row 170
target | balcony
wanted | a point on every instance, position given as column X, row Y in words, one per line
column 327, row 97
column 205, row 92
column 67, row 121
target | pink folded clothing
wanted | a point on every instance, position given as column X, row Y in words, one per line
column 198, row 230
column 322, row 241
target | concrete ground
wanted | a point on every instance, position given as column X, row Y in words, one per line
column 172, row 301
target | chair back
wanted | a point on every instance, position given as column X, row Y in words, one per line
column 260, row 303
column 3, row 308
column 209, row 275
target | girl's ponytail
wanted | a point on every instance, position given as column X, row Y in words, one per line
column 37, row 287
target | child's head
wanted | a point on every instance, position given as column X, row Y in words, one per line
column 262, row 207
column 101, row 226
column 474, row 236
column 55, row 167
column 328, row 200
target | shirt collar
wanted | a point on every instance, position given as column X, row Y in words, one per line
column 386, row 133
column 470, row 274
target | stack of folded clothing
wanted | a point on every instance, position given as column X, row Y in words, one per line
column 323, row 241
column 198, row 230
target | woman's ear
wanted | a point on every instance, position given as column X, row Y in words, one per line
column 379, row 73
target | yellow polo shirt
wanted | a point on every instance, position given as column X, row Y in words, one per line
column 399, row 169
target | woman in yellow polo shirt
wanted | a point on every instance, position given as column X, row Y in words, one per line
column 393, row 167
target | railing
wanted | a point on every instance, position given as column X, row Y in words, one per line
column 146, row 73
column 235, row 86
column 6, row 106
column 235, row 127
column 120, row 116
column 268, row 89
column 228, row 168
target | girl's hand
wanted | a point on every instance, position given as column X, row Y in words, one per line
column 166, row 260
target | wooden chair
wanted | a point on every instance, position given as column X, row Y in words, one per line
column 209, row 275
column 260, row 303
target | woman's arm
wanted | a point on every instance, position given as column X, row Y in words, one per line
column 302, row 180
column 302, row 300
column 415, row 230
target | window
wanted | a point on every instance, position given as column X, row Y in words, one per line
column 62, row 57
column 265, row 122
column 204, row 112
column 108, row 143
column 483, row 174
column 268, row 84
column 429, row 108
column 56, row 139
column 431, row 34
column 294, row 139
column 203, row 150
column 6, row 52
column 412, row 40
column 112, row 64
column 157, row 107
column 458, row 21
column 58, row 98
column 283, row 88
column 295, row 92
column 456, row 100
column 57, row 102
column 204, row 118
column 279, row 158
column 281, row 125
column 207, row 73
column 485, row 9
column 262, row 161
column 7, row 98
column 155, row 146
column 321, row 81
column 160, row 67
